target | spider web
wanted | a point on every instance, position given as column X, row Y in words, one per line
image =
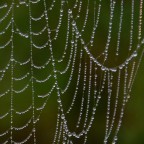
column 52, row 48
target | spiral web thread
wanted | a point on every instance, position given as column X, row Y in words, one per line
column 91, row 71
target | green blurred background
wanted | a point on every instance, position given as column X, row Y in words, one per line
column 132, row 130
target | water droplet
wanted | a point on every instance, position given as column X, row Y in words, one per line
column 103, row 68
column 62, row 116
column 59, row 100
column 70, row 11
column 135, row 54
